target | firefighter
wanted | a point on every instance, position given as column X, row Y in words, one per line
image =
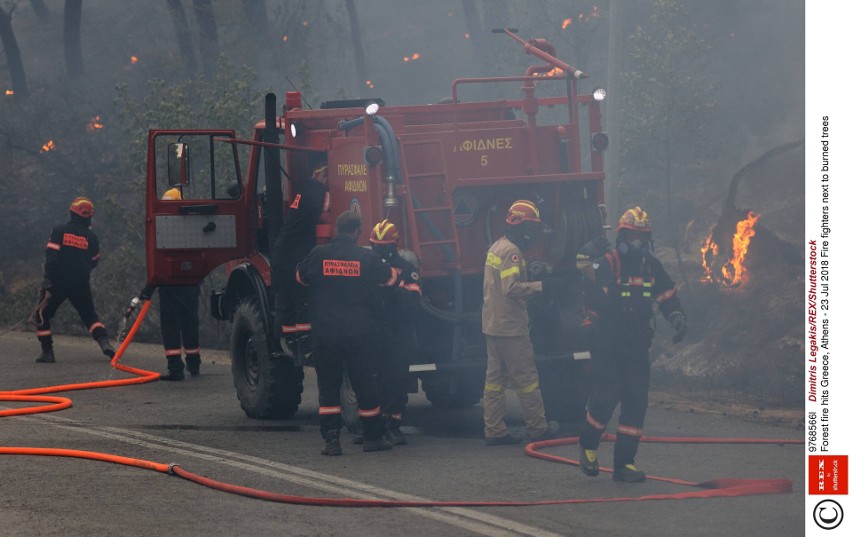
column 179, row 321
column 399, row 336
column 623, row 283
column 344, row 278
column 71, row 253
column 298, row 236
column 505, row 323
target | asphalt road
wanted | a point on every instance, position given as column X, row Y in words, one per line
column 199, row 425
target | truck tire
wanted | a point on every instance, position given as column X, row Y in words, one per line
column 452, row 391
column 267, row 388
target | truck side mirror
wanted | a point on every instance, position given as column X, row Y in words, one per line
column 179, row 169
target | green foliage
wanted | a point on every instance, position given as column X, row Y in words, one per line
column 667, row 102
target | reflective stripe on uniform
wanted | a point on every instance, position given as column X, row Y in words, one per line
column 494, row 388
column 370, row 413
column 493, row 261
column 510, row 271
column 394, row 276
column 53, row 246
column 196, row 350
column 630, row 431
column 595, row 423
column 327, row 410
column 172, row 352
column 665, row 295
column 529, row 389
column 95, row 326
column 44, row 333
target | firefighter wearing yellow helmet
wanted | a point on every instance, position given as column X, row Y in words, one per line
column 622, row 285
column 505, row 323
column 398, row 332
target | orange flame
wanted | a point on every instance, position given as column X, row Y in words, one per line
column 134, row 60
column 47, row 147
column 467, row 36
column 556, row 71
column 731, row 272
column 94, row 124
column 566, row 23
column 9, row 92
column 284, row 38
column 370, row 84
column 415, row 56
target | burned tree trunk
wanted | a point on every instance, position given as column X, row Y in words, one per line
column 13, row 56
column 184, row 38
column 41, row 11
column 255, row 12
column 357, row 46
column 208, row 44
column 73, row 47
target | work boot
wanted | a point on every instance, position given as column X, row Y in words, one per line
column 175, row 369
column 589, row 462
column 358, row 433
column 106, row 347
column 46, row 356
column 548, row 434
column 379, row 444
column 504, row 440
column 193, row 364
column 332, row 444
column 393, row 434
column 629, row 474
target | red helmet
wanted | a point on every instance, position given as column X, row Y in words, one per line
column 636, row 219
column 522, row 211
column 82, row 207
column 385, row 232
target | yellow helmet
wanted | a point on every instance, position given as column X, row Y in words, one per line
column 636, row 219
column 172, row 194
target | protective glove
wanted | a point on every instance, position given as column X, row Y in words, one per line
column 594, row 248
column 147, row 292
column 678, row 322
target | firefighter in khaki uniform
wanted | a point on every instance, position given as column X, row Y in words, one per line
column 505, row 323
column 622, row 286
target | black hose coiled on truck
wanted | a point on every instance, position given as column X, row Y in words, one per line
column 450, row 316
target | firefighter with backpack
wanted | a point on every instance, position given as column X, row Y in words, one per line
column 622, row 285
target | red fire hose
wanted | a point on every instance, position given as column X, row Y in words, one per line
column 707, row 489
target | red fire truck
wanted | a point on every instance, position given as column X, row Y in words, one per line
column 445, row 173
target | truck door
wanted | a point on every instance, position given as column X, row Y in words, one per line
column 205, row 220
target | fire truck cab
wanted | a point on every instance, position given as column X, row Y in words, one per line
column 444, row 173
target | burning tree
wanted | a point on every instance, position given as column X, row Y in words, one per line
column 726, row 264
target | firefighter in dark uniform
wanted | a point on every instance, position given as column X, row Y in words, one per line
column 179, row 321
column 505, row 323
column 344, row 279
column 71, row 254
column 400, row 305
column 622, row 286
column 298, row 236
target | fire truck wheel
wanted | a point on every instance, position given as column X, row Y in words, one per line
column 267, row 388
column 349, row 405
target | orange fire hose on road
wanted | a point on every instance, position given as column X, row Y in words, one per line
column 708, row 489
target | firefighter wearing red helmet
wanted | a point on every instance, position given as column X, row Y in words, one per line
column 399, row 335
column 505, row 323
column 71, row 253
column 622, row 285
